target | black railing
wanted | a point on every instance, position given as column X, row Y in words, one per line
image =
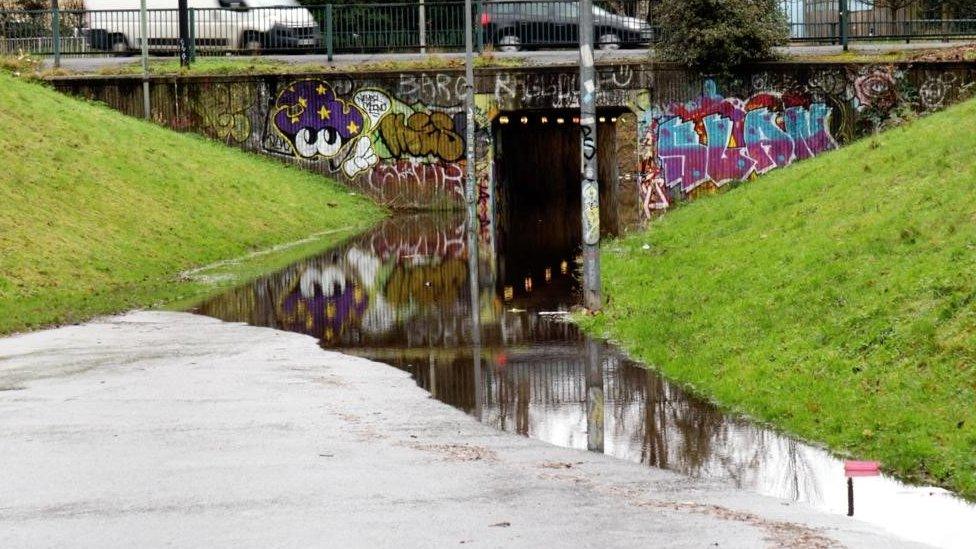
column 840, row 21
column 500, row 25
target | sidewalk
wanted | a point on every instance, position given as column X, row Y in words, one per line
column 157, row 428
column 565, row 57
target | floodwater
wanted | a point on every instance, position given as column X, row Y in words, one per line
column 400, row 294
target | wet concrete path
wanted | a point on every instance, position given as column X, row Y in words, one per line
column 399, row 294
column 174, row 429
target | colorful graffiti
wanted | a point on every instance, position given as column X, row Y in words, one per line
column 444, row 177
column 323, row 301
column 314, row 121
column 372, row 138
column 715, row 140
column 393, row 274
column 422, row 134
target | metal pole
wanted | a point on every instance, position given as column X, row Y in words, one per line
column 184, row 36
column 56, row 32
column 144, row 46
column 589, row 174
column 470, row 188
column 480, row 43
column 471, row 198
column 842, row 8
column 192, row 18
column 850, row 497
column 328, row 32
column 422, row 16
column 594, row 397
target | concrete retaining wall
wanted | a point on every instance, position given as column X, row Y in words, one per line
column 399, row 136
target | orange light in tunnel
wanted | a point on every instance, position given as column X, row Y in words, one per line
column 575, row 120
column 508, row 293
column 528, row 284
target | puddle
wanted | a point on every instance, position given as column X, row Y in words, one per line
column 399, row 294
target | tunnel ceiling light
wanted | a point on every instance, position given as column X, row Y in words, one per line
column 575, row 120
column 559, row 121
column 524, row 120
column 508, row 293
column 548, row 274
column 564, row 267
column 528, row 284
column 544, row 120
column 503, row 120
column 614, row 119
column 603, row 119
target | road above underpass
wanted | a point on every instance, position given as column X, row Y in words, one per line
column 526, row 58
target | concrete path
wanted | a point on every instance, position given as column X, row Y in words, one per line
column 154, row 429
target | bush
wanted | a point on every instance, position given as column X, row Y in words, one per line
column 715, row 36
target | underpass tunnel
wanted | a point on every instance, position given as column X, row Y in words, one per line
column 538, row 184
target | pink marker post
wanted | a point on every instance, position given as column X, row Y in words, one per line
column 857, row 469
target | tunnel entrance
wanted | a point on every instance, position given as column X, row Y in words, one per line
column 537, row 159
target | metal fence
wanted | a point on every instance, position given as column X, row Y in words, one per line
column 507, row 25
column 841, row 21
column 501, row 25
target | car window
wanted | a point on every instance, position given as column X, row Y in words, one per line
column 507, row 8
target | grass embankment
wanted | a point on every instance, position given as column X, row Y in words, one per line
column 101, row 213
column 835, row 299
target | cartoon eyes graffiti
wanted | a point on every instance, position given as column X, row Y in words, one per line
column 314, row 120
column 325, row 142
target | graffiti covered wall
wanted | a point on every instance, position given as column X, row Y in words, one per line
column 694, row 142
column 402, row 152
column 398, row 137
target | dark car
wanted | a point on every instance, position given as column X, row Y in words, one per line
column 512, row 26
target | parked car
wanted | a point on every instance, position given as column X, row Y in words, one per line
column 246, row 25
column 512, row 26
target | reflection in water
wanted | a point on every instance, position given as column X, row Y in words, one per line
column 399, row 294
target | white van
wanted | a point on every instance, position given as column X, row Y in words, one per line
column 246, row 25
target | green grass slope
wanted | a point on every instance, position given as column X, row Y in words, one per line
column 100, row 212
column 835, row 299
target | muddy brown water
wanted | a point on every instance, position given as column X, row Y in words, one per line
column 399, row 294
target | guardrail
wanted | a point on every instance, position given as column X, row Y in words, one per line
column 428, row 26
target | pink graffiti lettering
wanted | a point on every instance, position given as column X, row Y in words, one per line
column 446, row 177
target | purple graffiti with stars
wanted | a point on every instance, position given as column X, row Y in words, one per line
column 314, row 120
column 324, row 303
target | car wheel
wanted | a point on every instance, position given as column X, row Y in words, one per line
column 509, row 43
column 608, row 41
column 251, row 44
column 119, row 45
